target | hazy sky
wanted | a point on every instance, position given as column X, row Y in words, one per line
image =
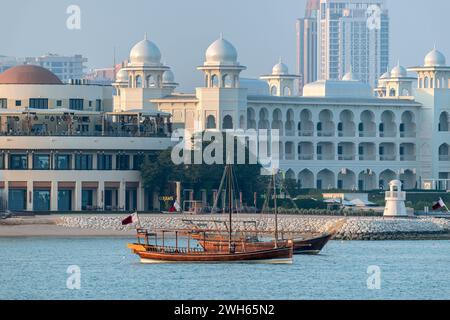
column 261, row 30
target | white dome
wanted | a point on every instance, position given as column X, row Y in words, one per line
column 280, row 69
column 349, row 76
column 122, row 76
column 168, row 77
column 221, row 52
column 435, row 58
column 385, row 75
column 399, row 72
column 145, row 53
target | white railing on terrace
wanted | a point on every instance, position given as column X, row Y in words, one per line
column 325, row 133
column 367, row 134
column 306, row 157
column 388, row 158
column 408, row 158
column 346, row 157
column 306, row 133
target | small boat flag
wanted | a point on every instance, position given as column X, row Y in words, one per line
column 134, row 218
column 439, row 205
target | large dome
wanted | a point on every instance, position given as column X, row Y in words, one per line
column 435, row 58
column 221, row 52
column 29, row 74
column 145, row 53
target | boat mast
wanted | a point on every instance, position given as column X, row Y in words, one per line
column 230, row 203
column 275, row 207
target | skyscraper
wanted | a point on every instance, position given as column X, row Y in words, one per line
column 353, row 35
column 307, row 45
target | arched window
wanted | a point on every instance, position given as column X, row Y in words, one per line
column 214, row 82
column 420, row 83
column 211, row 122
column 206, row 81
column 150, row 82
column 226, row 80
column 287, row 92
column 426, row 82
column 273, row 91
column 138, row 82
column 392, row 93
column 227, row 122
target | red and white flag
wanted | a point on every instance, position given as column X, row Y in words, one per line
column 134, row 218
column 439, row 205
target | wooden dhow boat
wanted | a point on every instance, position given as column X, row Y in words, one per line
column 157, row 254
column 152, row 253
column 303, row 244
column 255, row 240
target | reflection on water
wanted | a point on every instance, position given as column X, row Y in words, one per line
column 35, row 268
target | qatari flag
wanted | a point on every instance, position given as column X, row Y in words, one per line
column 439, row 205
column 130, row 219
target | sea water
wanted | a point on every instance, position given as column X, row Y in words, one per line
column 103, row 268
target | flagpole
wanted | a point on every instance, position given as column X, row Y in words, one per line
column 139, row 220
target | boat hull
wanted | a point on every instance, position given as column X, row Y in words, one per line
column 313, row 245
column 274, row 256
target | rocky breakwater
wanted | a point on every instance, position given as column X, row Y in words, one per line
column 352, row 228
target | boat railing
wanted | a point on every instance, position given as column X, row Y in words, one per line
column 169, row 249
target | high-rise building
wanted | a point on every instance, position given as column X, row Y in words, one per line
column 64, row 67
column 353, row 36
column 307, row 45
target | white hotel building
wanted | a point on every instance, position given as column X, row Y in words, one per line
column 63, row 150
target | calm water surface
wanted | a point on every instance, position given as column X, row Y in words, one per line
column 35, row 268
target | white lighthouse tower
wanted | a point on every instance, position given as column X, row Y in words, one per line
column 395, row 200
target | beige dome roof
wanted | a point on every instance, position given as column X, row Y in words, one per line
column 29, row 74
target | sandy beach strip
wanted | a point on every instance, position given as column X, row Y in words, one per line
column 46, row 227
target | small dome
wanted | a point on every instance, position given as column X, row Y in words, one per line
column 122, row 76
column 29, row 74
column 221, row 52
column 145, row 53
column 349, row 76
column 435, row 58
column 385, row 75
column 399, row 72
column 280, row 69
column 168, row 77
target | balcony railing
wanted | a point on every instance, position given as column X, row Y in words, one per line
column 408, row 134
column 349, row 134
column 119, row 133
column 390, row 134
column 367, row 134
column 306, row 133
column 325, row 157
column 346, row 157
column 444, row 157
column 388, row 158
column 325, row 133
column 367, row 158
column 408, row 158
column 303, row 157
